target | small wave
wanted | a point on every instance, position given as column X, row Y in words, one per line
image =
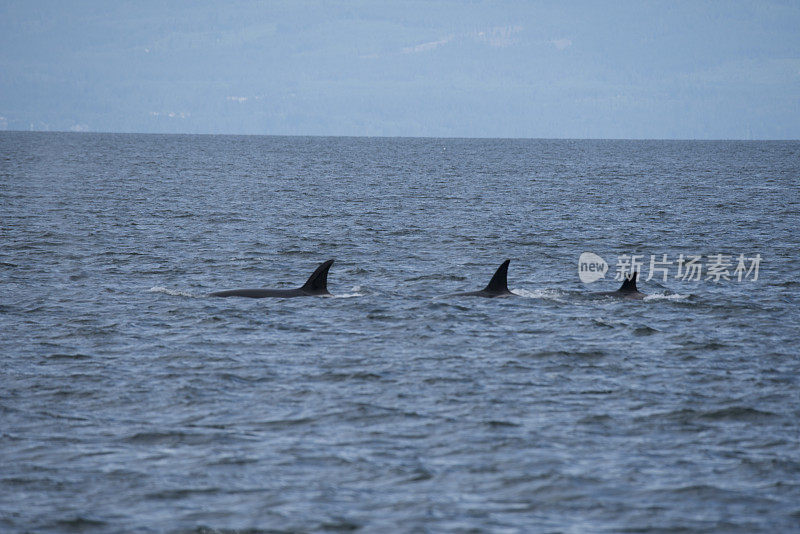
column 436, row 277
column 78, row 524
column 167, row 291
column 645, row 330
column 664, row 296
column 498, row 423
column 605, row 323
column 599, row 419
column 737, row 413
column 346, row 377
column 166, row 438
column 181, row 493
column 65, row 356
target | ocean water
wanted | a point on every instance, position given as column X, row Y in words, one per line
column 132, row 402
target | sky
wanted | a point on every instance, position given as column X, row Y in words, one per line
column 639, row 69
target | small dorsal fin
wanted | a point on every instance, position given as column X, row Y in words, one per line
column 318, row 281
column 499, row 282
column 629, row 284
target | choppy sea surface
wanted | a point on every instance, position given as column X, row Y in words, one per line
column 132, row 402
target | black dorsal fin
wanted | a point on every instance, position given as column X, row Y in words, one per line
column 318, row 281
column 499, row 282
column 629, row 284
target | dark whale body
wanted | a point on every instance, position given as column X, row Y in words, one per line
column 498, row 285
column 316, row 286
column 627, row 290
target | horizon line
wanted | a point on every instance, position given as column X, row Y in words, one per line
column 709, row 139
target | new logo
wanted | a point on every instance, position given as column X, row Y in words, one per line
column 591, row 267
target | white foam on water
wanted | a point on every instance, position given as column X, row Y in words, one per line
column 551, row 294
column 664, row 296
column 355, row 292
column 167, row 291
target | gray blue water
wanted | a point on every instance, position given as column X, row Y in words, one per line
column 131, row 402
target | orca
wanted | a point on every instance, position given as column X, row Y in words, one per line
column 498, row 285
column 627, row 290
column 315, row 286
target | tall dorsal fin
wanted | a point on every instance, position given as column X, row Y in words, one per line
column 318, row 281
column 499, row 282
column 629, row 284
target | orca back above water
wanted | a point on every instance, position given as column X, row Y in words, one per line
column 497, row 287
column 315, row 286
column 628, row 289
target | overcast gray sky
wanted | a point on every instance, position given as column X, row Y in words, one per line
column 689, row 70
